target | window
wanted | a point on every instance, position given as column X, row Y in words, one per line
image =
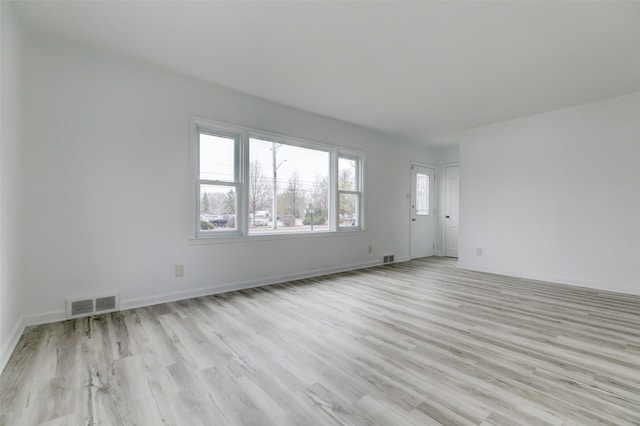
column 290, row 186
column 219, row 183
column 422, row 194
column 249, row 184
column 349, row 192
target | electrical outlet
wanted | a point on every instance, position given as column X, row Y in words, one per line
column 478, row 252
column 179, row 270
column 370, row 249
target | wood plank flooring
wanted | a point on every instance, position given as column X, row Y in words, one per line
column 416, row 343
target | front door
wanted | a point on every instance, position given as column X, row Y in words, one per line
column 422, row 211
column 451, row 188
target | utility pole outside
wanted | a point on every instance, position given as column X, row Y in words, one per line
column 274, row 206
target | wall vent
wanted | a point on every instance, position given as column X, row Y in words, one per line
column 107, row 303
column 92, row 305
column 81, row 307
column 388, row 258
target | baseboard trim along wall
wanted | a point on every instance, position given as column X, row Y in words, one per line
column 241, row 285
column 24, row 322
column 61, row 315
column 552, row 279
column 11, row 343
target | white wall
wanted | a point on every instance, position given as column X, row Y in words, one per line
column 107, row 185
column 10, row 178
column 556, row 196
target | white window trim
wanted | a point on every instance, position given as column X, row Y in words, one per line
column 359, row 192
column 333, row 155
column 200, row 127
column 242, row 196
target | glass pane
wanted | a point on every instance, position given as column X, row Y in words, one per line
column 422, row 194
column 347, row 174
column 348, row 210
column 217, row 158
column 298, row 180
column 218, row 208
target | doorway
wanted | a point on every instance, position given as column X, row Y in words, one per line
column 451, row 200
column 422, row 236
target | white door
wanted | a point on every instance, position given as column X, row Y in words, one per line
column 422, row 211
column 451, row 189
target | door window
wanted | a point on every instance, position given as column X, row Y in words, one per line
column 422, row 194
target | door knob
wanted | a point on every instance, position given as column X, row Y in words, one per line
column 414, row 219
column 447, row 216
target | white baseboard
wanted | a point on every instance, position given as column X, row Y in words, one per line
column 9, row 345
column 24, row 322
column 44, row 318
column 551, row 279
column 240, row 285
column 54, row 316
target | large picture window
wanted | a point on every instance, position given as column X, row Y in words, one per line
column 290, row 186
column 251, row 184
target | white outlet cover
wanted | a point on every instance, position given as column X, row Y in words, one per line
column 179, row 270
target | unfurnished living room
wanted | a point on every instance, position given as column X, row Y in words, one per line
column 319, row 213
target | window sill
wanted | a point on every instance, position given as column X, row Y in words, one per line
column 235, row 239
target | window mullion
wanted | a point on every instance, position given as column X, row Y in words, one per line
column 333, row 193
column 243, row 209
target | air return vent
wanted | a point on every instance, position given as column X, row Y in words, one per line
column 107, row 303
column 388, row 258
column 81, row 307
column 92, row 305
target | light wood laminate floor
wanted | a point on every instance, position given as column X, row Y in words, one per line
column 419, row 343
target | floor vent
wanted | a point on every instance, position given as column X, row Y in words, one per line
column 388, row 258
column 92, row 305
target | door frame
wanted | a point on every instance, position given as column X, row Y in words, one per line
column 435, row 199
column 444, row 203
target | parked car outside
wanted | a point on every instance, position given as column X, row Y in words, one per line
column 261, row 218
column 218, row 222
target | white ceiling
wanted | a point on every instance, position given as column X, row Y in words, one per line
column 421, row 70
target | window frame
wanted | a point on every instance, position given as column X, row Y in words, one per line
column 215, row 130
column 358, row 192
column 242, row 136
column 278, row 139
